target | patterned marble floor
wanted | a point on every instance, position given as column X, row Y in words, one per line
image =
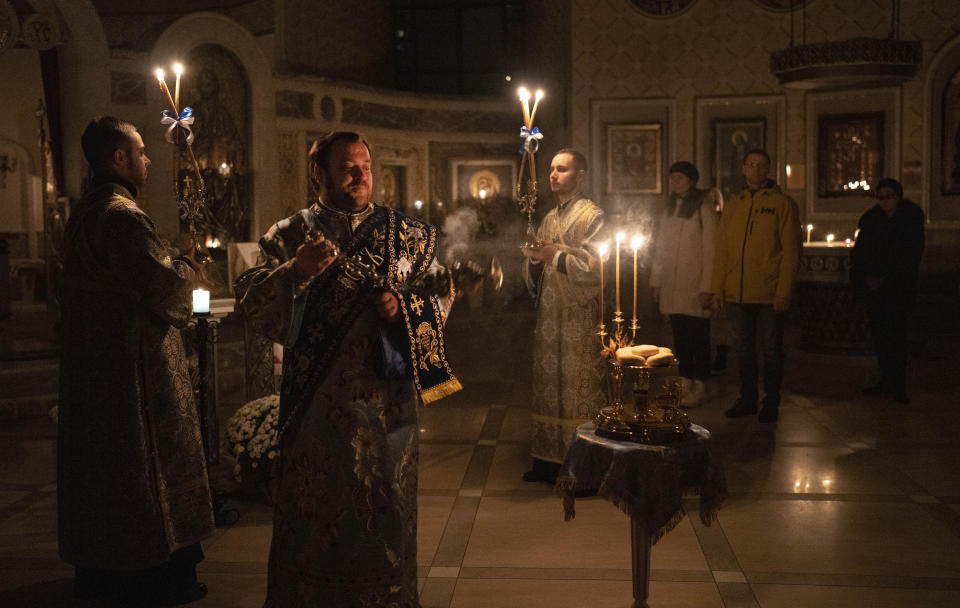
column 847, row 501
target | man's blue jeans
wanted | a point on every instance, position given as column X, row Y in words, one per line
column 753, row 324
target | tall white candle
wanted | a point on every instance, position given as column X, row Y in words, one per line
column 602, row 251
column 620, row 237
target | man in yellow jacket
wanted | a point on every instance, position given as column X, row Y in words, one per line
column 755, row 265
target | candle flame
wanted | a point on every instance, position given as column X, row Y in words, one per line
column 830, row 238
column 178, row 69
column 636, row 241
column 809, row 226
column 621, row 236
column 602, row 249
column 523, row 93
column 539, row 94
column 159, row 73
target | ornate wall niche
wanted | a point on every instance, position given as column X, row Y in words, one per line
column 606, row 112
column 720, row 118
column 884, row 104
column 941, row 192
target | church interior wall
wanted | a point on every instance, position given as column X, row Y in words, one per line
column 20, row 220
column 722, row 49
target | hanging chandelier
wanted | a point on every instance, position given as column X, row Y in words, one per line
column 854, row 63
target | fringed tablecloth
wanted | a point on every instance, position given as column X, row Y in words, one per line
column 644, row 481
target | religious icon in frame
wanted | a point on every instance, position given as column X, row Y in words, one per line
column 392, row 186
column 732, row 139
column 850, row 153
column 634, row 159
column 483, row 180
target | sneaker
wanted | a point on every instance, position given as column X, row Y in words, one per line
column 740, row 409
column 769, row 414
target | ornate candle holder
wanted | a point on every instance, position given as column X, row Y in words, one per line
column 528, row 204
column 661, row 422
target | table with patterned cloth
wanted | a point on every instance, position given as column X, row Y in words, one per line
column 646, row 482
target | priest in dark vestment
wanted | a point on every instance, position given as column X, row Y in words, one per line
column 133, row 495
column 344, row 287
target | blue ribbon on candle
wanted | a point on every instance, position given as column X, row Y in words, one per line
column 531, row 139
column 183, row 121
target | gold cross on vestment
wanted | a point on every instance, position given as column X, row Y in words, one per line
column 416, row 304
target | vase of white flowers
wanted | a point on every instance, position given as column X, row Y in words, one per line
column 252, row 435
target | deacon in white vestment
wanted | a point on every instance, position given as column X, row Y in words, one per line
column 564, row 274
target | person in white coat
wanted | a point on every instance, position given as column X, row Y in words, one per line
column 681, row 273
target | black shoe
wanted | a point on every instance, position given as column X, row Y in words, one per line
column 769, row 414
column 532, row 476
column 740, row 409
column 191, row 593
column 876, row 389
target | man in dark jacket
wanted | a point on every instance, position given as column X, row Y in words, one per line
column 884, row 271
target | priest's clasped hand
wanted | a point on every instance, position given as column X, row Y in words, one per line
column 315, row 255
column 544, row 253
column 388, row 308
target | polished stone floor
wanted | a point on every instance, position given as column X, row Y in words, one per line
column 847, row 501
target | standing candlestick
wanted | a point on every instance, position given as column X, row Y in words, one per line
column 178, row 70
column 620, row 237
column 636, row 241
column 809, row 230
column 602, row 252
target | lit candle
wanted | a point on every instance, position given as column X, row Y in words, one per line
column 177, row 69
column 620, row 237
column 536, row 102
column 848, row 242
column 809, row 230
column 201, row 302
column 524, row 95
column 163, row 86
column 636, row 241
column 830, row 238
column 602, row 251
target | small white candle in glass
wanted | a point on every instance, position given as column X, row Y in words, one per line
column 201, row 302
column 830, row 238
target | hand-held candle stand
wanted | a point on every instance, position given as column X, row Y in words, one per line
column 531, row 136
column 190, row 198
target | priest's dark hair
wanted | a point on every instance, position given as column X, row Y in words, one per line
column 102, row 137
column 579, row 160
column 320, row 151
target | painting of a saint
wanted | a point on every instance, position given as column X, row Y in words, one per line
column 732, row 139
column 634, row 159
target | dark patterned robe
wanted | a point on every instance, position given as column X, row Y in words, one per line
column 132, row 481
column 345, row 522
